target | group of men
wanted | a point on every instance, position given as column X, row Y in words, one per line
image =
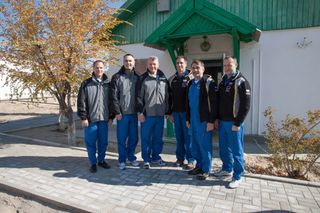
column 191, row 99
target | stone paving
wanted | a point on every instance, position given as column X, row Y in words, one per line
column 61, row 175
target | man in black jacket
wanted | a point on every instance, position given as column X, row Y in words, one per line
column 94, row 111
column 178, row 89
column 234, row 104
column 123, row 94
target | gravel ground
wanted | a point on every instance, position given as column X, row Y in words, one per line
column 15, row 110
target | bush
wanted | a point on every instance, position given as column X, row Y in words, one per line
column 295, row 145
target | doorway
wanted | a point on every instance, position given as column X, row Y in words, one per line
column 214, row 68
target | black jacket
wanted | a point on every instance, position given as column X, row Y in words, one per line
column 207, row 112
column 178, row 91
column 234, row 99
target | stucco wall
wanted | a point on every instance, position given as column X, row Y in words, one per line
column 141, row 52
column 284, row 76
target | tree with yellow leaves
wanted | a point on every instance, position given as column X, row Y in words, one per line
column 49, row 46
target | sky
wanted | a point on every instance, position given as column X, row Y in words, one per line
column 117, row 4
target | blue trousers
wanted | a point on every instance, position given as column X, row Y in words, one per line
column 183, row 150
column 202, row 146
column 231, row 149
column 151, row 138
column 127, row 136
column 96, row 136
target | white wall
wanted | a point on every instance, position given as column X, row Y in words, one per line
column 142, row 52
column 5, row 90
column 220, row 45
column 286, row 77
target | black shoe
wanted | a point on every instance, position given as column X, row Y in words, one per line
column 104, row 165
column 93, row 169
column 203, row 176
column 195, row 171
column 179, row 163
column 189, row 166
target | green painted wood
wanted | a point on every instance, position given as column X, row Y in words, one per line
column 198, row 18
column 265, row 14
column 193, row 25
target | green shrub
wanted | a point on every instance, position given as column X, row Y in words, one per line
column 295, row 145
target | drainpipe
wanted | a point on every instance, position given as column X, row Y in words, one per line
column 236, row 44
column 259, row 89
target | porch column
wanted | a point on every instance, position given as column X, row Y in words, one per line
column 170, row 130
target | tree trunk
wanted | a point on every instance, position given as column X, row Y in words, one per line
column 71, row 127
column 62, row 121
column 66, row 119
column 71, row 122
column 62, row 113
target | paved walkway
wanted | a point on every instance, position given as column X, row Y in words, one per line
column 61, row 175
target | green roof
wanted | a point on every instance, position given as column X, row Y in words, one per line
column 200, row 18
column 265, row 14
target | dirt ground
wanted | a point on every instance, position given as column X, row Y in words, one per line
column 17, row 204
column 15, row 110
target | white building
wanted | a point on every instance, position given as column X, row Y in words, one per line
column 277, row 41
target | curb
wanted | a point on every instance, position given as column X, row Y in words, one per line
column 44, row 198
column 283, row 180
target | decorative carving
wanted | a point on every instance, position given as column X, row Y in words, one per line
column 205, row 45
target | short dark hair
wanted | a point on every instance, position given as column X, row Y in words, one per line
column 97, row 61
column 197, row 62
column 231, row 57
column 128, row 54
column 181, row 57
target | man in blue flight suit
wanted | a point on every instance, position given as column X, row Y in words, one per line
column 202, row 108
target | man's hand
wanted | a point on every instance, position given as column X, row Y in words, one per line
column 216, row 124
column 171, row 118
column 187, row 124
column 118, row 117
column 141, row 117
column 210, row 127
column 84, row 123
column 235, row 128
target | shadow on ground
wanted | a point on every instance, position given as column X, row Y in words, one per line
column 77, row 167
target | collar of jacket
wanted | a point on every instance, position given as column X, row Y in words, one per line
column 122, row 70
column 184, row 74
column 159, row 73
column 206, row 76
column 237, row 75
column 104, row 78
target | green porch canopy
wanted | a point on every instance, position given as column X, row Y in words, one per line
column 200, row 17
